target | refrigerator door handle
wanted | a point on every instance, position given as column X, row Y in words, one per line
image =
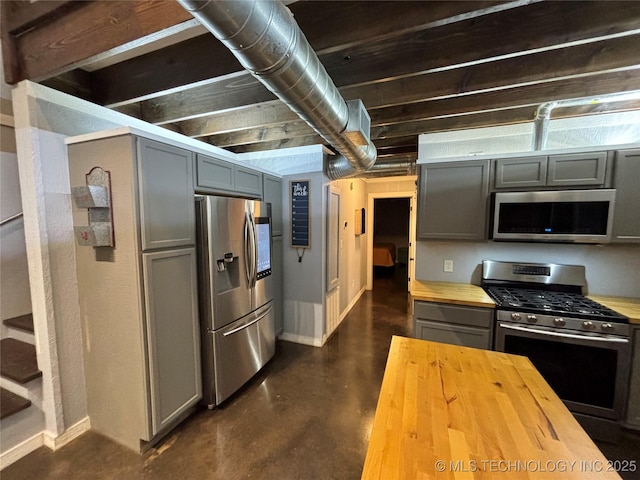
column 248, row 257
column 254, row 250
column 247, row 325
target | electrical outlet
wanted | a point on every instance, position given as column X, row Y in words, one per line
column 448, row 266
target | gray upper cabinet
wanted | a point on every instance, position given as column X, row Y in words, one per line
column 626, row 180
column 214, row 175
column 453, row 200
column 171, row 317
column 577, row 169
column 520, row 172
column 248, row 181
column 165, row 176
column 272, row 187
column 551, row 172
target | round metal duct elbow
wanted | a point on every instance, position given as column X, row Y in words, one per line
column 268, row 42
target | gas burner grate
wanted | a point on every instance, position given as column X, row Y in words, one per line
column 559, row 303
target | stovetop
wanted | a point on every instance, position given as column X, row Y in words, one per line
column 551, row 303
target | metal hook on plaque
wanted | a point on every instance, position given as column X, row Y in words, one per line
column 96, row 197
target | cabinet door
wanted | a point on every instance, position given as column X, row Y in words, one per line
column 276, row 266
column 248, row 181
column 173, row 340
column 165, row 179
column 454, row 314
column 577, row 169
column 453, row 200
column 626, row 180
column 272, row 188
column 633, row 404
column 520, row 172
column 453, row 334
column 214, row 174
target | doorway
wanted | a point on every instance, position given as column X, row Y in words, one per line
column 392, row 227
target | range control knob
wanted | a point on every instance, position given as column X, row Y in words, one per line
column 588, row 325
column 532, row 318
column 606, row 327
column 515, row 316
column 559, row 322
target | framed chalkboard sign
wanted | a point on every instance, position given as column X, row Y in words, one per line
column 300, row 201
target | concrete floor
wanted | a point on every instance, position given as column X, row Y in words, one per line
column 306, row 416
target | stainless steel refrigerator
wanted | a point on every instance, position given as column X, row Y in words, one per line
column 235, row 292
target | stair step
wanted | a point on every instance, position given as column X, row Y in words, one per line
column 18, row 360
column 23, row 322
column 11, row 403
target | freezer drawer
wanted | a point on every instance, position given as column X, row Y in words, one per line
column 241, row 349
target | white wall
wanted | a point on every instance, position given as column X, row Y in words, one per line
column 304, row 281
column 353, row 248
column 610, row 269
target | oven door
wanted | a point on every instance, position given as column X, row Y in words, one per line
column 589, row 372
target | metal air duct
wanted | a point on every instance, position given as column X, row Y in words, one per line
column 543, row 113
column 267, row 41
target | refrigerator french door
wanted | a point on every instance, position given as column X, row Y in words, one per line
column 235, row 292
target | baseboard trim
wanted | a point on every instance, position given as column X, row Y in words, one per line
column 71, row 433
column 352, row 303
column 21, row 450
column 304, row 340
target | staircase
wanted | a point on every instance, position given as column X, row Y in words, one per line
column 21, row 415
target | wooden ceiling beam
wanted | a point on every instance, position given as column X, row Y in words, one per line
column 204, row 57
column 461, row 110
column 542, row 66
column 523, row 73
column 352, row 60
column 275, row 145
column 87, row 30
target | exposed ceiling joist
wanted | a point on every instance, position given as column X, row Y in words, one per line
column 419, row 67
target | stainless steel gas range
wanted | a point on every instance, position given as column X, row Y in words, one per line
column 580, row 347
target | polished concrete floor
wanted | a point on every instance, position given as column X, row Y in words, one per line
column 306, row 416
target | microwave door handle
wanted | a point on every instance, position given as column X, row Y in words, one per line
column 564, row 335
column 247, row 255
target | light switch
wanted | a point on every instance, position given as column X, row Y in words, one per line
column 448, row 265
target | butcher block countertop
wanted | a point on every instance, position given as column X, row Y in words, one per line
column 449, row 292
column 627, row 306
column 448, row 412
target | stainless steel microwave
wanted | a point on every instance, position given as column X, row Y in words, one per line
column 575, row 216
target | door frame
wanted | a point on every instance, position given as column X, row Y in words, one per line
column 371, row 197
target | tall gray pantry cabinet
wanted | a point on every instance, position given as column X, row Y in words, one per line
column 138, row 299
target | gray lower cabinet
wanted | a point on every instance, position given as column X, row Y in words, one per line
column 626, row 180
column 453, row 200
column 272, row 188
column 214, row 175
column 633, row 404
column 454, row 324
column 138, row 300
column 171, row 319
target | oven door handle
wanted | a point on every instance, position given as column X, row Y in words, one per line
column 564, row 335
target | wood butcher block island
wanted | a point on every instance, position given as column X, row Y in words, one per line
column 451, row 412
